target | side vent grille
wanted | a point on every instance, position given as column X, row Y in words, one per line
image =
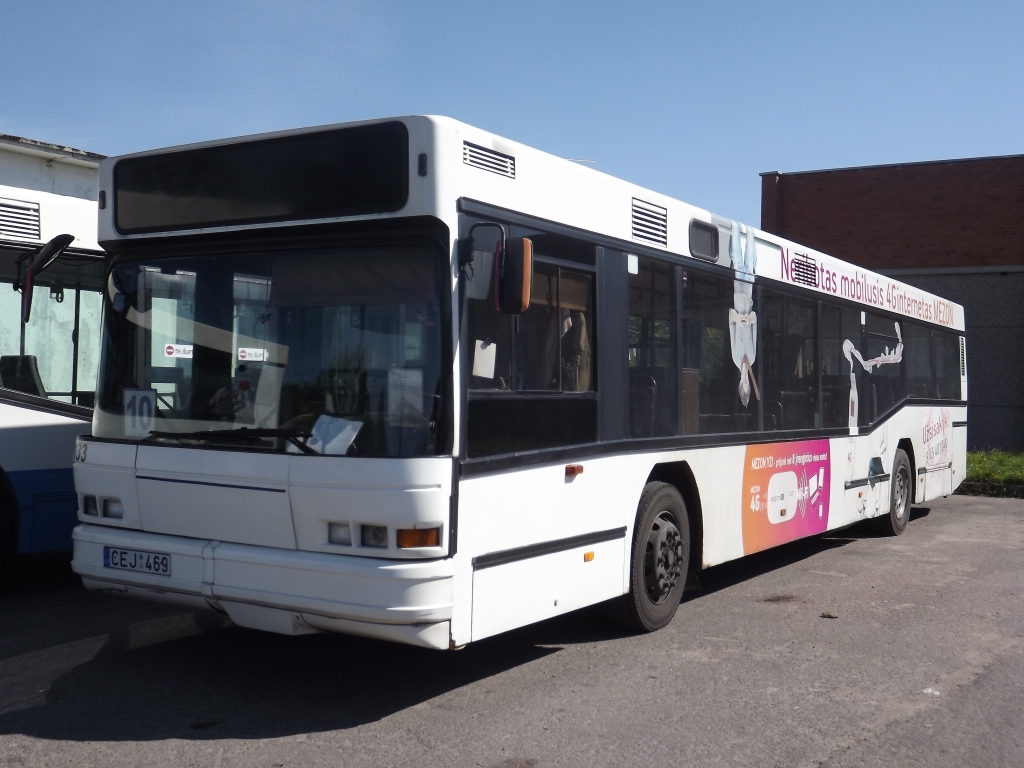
column 963, row 358
column 650, row 223
column 19, row 219
column 488, row 160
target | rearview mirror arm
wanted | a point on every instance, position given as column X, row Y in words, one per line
column 35, row 262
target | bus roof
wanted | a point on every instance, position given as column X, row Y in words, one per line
column 449, row 160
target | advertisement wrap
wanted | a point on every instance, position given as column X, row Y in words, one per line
column 936, row 435
column 825, row 274
column 785, row 492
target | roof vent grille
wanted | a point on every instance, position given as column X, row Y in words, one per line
column 19, row 219
column 488, row 160
column 650, row 223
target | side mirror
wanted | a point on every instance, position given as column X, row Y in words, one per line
column 35, row 262
column 513, row 275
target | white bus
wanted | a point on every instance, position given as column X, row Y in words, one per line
column 410, row 380
column 49, row 344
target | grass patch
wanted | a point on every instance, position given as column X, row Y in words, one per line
column 995, row 467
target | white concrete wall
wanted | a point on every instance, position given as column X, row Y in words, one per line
column 62, row 181
column 57, row 175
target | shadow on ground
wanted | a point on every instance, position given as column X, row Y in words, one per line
column 238, row 683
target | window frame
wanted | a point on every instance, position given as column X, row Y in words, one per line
column 612, row 326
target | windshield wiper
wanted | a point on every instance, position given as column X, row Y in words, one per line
column 241, row 434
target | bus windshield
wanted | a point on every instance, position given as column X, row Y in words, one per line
column 329, row 351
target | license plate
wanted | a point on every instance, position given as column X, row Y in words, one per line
column 136, row 560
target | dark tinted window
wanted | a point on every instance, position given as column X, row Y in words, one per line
column 330, row 173
column 928, row 366
column 917, row 355
column 710, row 377
column 947, row 364
column 558, row 246
column 789, row 373
column 516, row 363
column 703, row 241
column 555, row 336
column 653, row 370
column 932, row 359
column 838, row 324
column 881, row 325
column 885, row 385
column 529, row 423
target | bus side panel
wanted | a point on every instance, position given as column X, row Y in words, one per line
column 556, row 583
column 858, row 497
column 786, row 492
column 47, row 509
column 531, row 518
column 36, row 451
column 959, row 454
column 863, row 464
column 943, row 451
column 515, row 510
column 718, row 473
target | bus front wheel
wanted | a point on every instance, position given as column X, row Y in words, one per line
column 660, row 559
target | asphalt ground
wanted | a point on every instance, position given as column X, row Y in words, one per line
column 922, row 666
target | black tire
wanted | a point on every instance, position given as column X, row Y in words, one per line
column 900, row 494
column 659, row 563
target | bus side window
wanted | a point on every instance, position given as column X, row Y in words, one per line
column 917, row 353
column 837, row 325
column 532, row 377
column 706, row 345
column 788, row 365
column 53, row 364
column 886, row 383
column 555, row 337
column 947, row 364
column 548, row 348
column 490, row 332
column 653, row 369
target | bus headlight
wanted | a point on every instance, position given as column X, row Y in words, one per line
column 113, row 508
column 89, row 506
column 374, row 536
column 339, row 533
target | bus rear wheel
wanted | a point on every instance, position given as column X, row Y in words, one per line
column 900, row 490
column 660, row 559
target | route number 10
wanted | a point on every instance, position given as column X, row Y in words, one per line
column 139, row 412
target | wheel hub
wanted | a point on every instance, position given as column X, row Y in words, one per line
column 901, row 495
column 664, row 558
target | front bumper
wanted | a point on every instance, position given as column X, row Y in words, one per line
column 281, row 590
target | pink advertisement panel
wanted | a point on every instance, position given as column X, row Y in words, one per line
column 785, row 493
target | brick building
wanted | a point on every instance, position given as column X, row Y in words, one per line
column 955, row 228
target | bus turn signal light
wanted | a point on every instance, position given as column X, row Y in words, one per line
column 419, row 537
column 571, row 470
column 588, row 556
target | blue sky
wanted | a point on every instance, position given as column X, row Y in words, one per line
column 692, row 99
